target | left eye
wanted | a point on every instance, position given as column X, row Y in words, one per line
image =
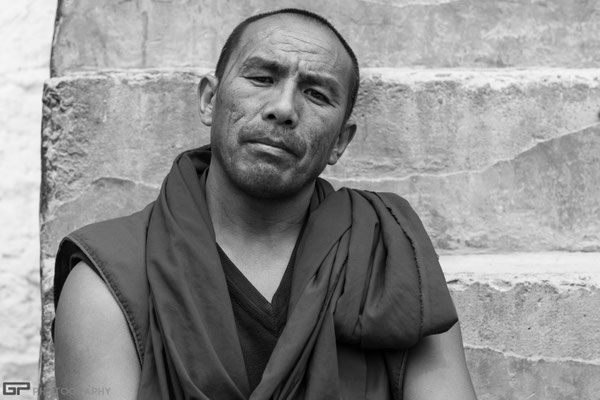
column 317, row 95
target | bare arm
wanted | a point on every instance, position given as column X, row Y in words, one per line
column 437, row 369
column 94, row 348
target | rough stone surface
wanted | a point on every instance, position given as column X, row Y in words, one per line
column 26, row 30
column 520, row 183
column 546, row 198
column 108, row 142
column 529, row 323
column 445, row 121
column 531, row 319
column 500, row 376
column 502, row 271
column 101, row 34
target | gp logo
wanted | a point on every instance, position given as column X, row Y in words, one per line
column 14, row 388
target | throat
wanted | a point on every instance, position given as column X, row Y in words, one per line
column 262, row 265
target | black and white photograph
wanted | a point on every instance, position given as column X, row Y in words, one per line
column 300, row 200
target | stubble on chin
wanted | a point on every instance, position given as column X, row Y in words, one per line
column 264, row 182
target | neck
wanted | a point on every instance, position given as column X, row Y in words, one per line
column 236, row 214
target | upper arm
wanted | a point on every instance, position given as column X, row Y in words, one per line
column 94, row 348
column 437, row 369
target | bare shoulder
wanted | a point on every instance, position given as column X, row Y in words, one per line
column 437, row 369
column 94, row 348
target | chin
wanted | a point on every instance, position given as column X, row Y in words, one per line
column 268, row 186
column 265, row 180
column 269, row 183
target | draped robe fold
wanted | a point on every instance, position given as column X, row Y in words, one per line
column 366, row 286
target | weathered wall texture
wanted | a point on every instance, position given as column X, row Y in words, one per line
column 26, row 31
column 112, row 133
column 502, row 164
column 530, row 323
column 385, row 33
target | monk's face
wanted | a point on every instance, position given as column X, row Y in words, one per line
column 278, row 112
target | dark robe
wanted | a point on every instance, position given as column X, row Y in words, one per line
column 366, row 286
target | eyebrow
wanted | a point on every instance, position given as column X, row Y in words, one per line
column 311, row 78
column 263, row 63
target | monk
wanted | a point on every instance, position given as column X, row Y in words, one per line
column 249, row 277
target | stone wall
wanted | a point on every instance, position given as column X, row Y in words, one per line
column 26, row 30
column 483, row 118
column 384, row 33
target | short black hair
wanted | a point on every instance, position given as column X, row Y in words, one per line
column 234, row 38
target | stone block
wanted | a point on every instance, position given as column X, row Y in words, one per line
column 546, row 198
column 102, row 34
column 46, row 362
column 529, row 323
column 413, row 121
column 491, row 161
column 532, row 319
column 500, row 376
column 531, row 304
column 108, row 141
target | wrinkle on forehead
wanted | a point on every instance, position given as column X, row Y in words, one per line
column 309, row 60
column 294, row 36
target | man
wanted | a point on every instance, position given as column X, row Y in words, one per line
column 249, row 277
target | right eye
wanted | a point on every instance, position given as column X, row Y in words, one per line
column 262, row 80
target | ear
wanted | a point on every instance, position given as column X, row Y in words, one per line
column 343, row 140
column 207, row 90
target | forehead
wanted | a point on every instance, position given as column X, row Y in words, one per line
column 293, row 39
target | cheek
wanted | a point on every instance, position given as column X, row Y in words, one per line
column 227, row 120
column 228, row 110
column 321, row 146
column 239, row 103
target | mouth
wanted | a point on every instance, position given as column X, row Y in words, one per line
column 276, row 144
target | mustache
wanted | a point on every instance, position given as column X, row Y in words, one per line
column 275, row 136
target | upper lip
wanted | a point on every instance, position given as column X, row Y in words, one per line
column 274, row 143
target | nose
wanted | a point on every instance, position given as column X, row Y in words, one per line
column 282, row 108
